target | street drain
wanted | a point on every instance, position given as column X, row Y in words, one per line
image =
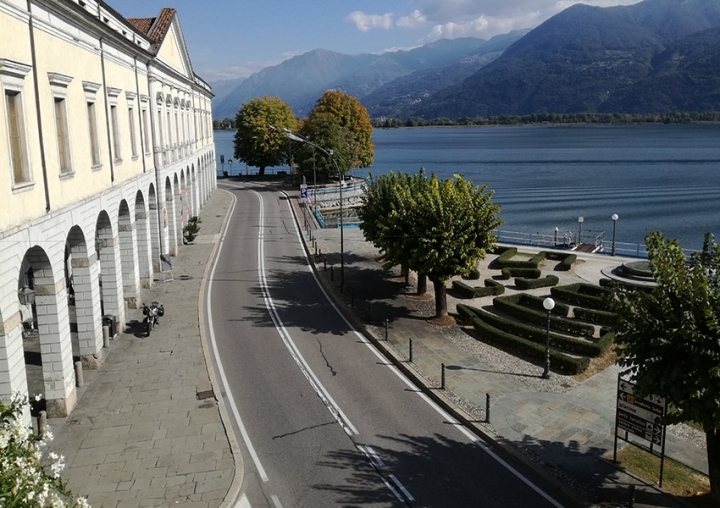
column 185, row 277
column 207, row 394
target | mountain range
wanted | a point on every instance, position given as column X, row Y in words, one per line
column 650, row 57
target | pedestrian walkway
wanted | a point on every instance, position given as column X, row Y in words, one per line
column 562, row 426
column 147, row 430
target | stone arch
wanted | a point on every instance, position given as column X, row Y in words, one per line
column 47, row 346
column 128, row 256
column 111, row 282
column 82, row 273
column 144, row 241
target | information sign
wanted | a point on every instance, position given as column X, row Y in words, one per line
column 640, row 416
column 303, row 193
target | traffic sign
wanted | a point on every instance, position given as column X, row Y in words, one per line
column 303, row 193
column 640, row 416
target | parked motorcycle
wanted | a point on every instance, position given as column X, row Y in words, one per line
column 152, row 313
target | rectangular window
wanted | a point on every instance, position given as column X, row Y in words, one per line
column 160, row 130
column 146, row 131
column 133, row 141
column 94, row 144
column 63, row 136
column 169, row 130
column 115, row 132
column 16, row 131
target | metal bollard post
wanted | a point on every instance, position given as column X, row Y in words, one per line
column 332, row 274
column 410, row 350
column 487, row 408
column 42, row 423
column 78, row 374
column 632, row 496
column 315, row 247
column 106, row 336
column 442, row 376
column 386, row 330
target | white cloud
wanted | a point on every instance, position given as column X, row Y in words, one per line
column 414, row 20
column 483, row 27
column 365, row 22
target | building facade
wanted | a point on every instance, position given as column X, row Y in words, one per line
column 106, row 150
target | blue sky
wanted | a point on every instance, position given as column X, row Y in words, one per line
column 235, row 38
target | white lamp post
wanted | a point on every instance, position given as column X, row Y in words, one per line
column 614, row 219
column 331, row 154
column 580, row 223
column 549, row 305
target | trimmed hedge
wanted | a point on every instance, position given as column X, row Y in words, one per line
column 525, row 273
column 536, row 302
column 473, row 292
column 586, row 295
column 534, row 334
column 474, row 274
column 547, row 281
column 511, row 305
column 557, row 360
column 499, row 288
column 566, row 260
column 505, row 260
column 599, row 317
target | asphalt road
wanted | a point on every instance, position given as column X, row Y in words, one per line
column 322, row 418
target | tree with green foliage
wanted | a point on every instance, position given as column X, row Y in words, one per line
column 260, row 140
column 438, row 228
column 339, row 122
column 670, row 338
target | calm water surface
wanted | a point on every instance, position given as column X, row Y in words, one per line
column 655, row 177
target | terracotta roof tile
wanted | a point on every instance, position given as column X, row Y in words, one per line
column 142, row 24
column 161, row 25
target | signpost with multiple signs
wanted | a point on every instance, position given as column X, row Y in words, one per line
column 641, row 418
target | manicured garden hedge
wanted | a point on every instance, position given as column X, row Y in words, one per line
column 536, row 302
column 525, row 273
column 586, row 295
column 491, row 288
column 535, row 334
column 547, row 281
column 566, row 260
column 600, row 317
column 558, row 360
column 505, row 260
column 511, row 305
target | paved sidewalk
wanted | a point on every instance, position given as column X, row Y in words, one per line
column 563, row 430
column 142, row 433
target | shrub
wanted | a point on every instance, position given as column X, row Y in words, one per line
column 511, row 305
column 557, row 359
column 547, row 281
column 476, row 292
column 23, row 480
column 505, row 260
column 499, row 288
column 535, row 334
column 600, row 317
column 474, row 274
column 566, row 260
column 536, row 302
column 586, row 295
column 525, row 273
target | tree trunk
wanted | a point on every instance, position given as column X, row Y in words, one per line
column 440, row 298
column 712, row 438
column 261, row 171
column 422, row 284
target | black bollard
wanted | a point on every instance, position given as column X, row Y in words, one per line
column 386, row 330
column 442, row 376
column 632, row 496
column 487, row 408
column 410, row 350
column 332, row 274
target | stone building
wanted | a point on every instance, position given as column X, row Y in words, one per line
column 106, row 150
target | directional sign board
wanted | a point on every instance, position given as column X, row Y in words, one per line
column 303, row 193
column 640, row 416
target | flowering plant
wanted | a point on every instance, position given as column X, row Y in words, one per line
column 27, row 477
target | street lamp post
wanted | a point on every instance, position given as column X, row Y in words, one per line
column 549, row 305
column 580, row 223
column 331, row 154
column 614, row 219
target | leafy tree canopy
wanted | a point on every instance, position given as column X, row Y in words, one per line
column 670, row 337
column 438, row 228
column 260, row 140
column 352, row 141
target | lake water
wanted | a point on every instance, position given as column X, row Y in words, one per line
column 654, row 177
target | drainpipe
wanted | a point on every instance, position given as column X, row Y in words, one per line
column 142, row 137
column 107, row 111
column 37, row 107
column 161, row 231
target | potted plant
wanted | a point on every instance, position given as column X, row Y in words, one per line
column 192, row 228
